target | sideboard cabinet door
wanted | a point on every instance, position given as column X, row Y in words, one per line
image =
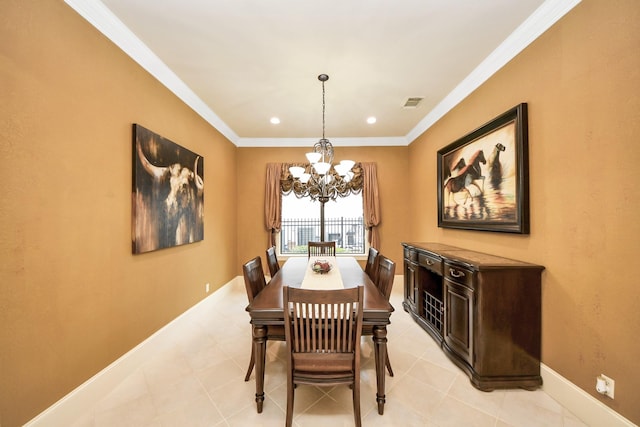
column 410, row 289
column 458, row 324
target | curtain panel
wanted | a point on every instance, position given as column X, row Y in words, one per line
column 273, row 202
column 371, row 201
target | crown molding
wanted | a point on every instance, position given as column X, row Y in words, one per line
column 537, row 23
column 98, row 15
column 336, row 142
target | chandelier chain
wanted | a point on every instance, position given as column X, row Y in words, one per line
column 321, row 180
column 323, row 109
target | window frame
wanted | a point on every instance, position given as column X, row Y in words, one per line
column 358, row 256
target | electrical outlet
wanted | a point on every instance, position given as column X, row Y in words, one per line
column 605, row 385
column 206, row 287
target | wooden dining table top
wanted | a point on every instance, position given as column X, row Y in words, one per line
column 267, row 306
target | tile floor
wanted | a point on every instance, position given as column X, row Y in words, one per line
column 199, row 381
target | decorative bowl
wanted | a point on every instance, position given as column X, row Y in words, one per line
column 321, row 267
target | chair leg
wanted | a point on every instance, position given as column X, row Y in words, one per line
column 388, row 363
column 251, row 363
column 356, row 404
column 290, row 397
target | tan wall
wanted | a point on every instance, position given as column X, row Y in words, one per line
column 392, row 166
column 581, row 80
column 72, row 296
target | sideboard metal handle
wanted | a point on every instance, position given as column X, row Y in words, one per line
column 429, row 262
column 456, row 273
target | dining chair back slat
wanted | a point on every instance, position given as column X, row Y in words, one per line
column 322, row 248
column 272, row 261
column 384, row 277
column 371, row 267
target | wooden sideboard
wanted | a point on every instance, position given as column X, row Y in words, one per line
column 483, row 310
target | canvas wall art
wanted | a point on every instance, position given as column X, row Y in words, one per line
column 167, row 193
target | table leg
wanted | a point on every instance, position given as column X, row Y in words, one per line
column 259, row 350
column 380, row 345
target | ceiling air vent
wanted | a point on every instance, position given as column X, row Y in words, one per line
column 412, row 102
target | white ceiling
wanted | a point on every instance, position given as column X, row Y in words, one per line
column 240, row 62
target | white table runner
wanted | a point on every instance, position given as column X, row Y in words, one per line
column 330, row 280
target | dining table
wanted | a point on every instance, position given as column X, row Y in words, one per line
column 267, row 310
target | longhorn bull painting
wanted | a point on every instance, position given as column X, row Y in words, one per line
column 167, row 193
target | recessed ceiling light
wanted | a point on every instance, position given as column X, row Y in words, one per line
column 371, row 120
column 275, row 121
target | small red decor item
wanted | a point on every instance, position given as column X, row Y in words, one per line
column 321, row 267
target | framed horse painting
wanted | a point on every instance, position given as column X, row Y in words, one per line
column 483, row 177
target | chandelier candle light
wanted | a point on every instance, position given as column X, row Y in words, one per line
column 323, row 181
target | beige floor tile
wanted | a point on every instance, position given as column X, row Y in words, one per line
column 196, row 412
column 132, row 388
column 198, row 380
column 234, row 399
column 436, row 376
column 134, row 413
column 487, row 402
column 416, row 395
column 530, row 409
column 396, row 413
column 222, row 375
column 272, row 415
column 453, row 413
column 178, row 395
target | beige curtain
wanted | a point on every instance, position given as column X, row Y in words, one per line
column 371, row 201
column 273, row 201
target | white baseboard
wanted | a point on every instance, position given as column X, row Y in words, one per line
column 584, row 406
column 65, row 411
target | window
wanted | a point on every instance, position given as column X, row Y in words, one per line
column 344, row 224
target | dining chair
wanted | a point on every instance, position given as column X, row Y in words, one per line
column 371, row 267
column 386, row 270
column 272, row 261
column 322, row 248
column 323, row 330
column 255, row 282
column 384, row 275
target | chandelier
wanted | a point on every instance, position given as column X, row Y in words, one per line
column 321, row 180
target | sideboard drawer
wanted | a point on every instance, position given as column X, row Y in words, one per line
column 411, row 254
column 458, row 274
column 429, row 262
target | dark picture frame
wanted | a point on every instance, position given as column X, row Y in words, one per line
column 167, row 193
column 483, row 177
